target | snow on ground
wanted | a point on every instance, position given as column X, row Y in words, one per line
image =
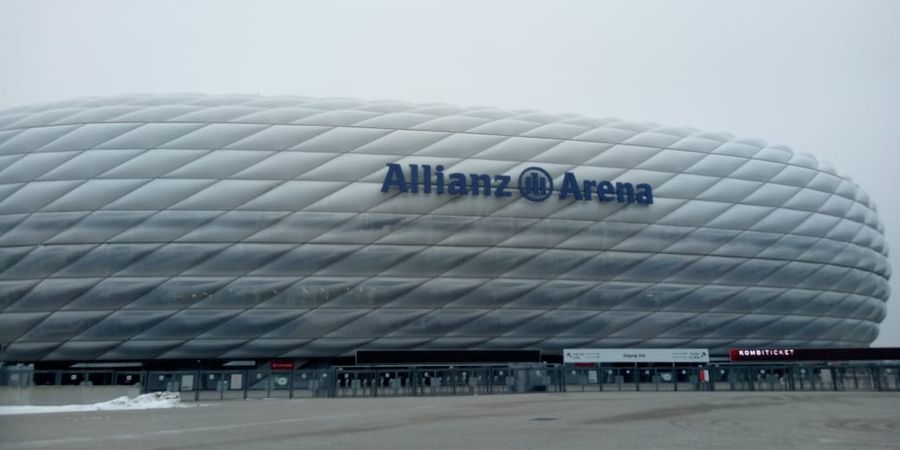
column 155, row 400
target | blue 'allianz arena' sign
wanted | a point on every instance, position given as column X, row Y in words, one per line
column 534, row 183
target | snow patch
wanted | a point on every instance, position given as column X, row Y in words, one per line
column 155, row 400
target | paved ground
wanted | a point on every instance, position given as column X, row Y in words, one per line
column 575, row 420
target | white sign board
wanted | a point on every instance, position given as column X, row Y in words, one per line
column 641, row 355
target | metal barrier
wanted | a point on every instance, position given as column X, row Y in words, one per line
column 602, row 378
column 731, row 377
column 258, row 383
column 419, row 381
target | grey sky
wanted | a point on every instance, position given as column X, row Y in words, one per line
column 822, row 77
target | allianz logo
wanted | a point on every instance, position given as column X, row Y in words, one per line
column 534, row 183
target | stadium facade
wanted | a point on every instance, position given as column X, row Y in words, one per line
column 145, row 227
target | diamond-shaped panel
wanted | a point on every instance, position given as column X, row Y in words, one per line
column 191, row 226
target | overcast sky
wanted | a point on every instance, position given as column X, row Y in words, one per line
column 822, row 77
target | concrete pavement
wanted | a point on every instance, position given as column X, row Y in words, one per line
column 694, row 420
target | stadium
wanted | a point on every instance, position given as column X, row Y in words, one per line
column 194, row 227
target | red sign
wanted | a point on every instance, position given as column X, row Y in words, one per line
column 816, row 354
column 761, row 354
column 282, row 365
